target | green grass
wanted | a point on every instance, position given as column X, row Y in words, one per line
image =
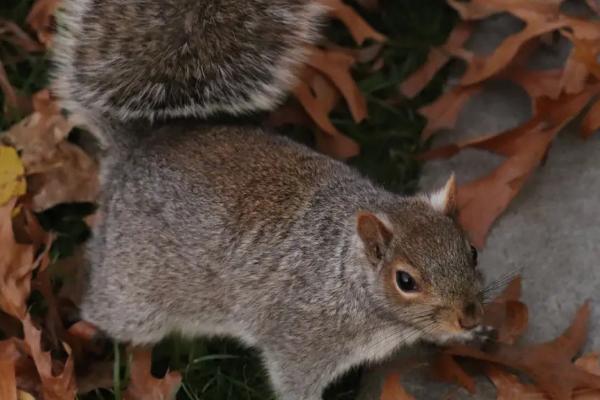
column 222, row 369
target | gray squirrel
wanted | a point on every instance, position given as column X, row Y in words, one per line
column 223, row 229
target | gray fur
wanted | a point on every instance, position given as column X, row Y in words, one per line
column 230, row 230
column 234, row 231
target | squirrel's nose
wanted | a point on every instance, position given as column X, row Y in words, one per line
column 470, row 316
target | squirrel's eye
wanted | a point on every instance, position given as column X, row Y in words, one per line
column 474, row 255
column 405, row 282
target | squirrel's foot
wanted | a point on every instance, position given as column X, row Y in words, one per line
column 484, row 336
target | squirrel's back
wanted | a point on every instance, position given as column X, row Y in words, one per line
column 157, row 59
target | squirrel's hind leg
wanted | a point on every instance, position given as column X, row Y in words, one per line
column 295, row 378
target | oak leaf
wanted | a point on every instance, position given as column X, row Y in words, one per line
column 358, row 27
column 548, row 364
column 144, row 386
column 393, row 389
column 8, row 381
column 41, row 17
column 443, row 113
column 436, row 59
column 57, row 170
column 16, row 266
column 60, row 386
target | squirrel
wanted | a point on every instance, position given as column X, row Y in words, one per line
column 228, row 229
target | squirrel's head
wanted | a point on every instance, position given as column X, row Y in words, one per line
column 424, row 269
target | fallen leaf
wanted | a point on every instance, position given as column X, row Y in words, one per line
column 537, row 83
column 358, row 27
column 318, row 97
column 548, row 364
column 13, row 34
column 12, row 179
column 40, row 19
column 436, row 59
column 509, row 387
column 482, row 68
column 393, row 390
column 481, row 201
column 594, row 5
column 336, row 65
column 22, row 395
column 443, row 113
column 58, row 171
column 8, row 381
column 54, row 387
column 591, row 121
column 446, row 369
column 143, row 385
column 16, row 265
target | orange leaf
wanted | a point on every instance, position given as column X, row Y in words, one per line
column 594, row 5
column 16, row 265
column 144, row 386
column 591, row 121
column 483, row 200
column 8, row 383
column 482, row 68
column 443, row 113
column 446, row 369
column 436, row 59
column 336, row 65
column 509, row 387
column 393, row 390
column 58, row 171
column 59, row 387
column 359, row 28
column 318, row 96
column 548, row 364
column 12, row 33
column 40, row 19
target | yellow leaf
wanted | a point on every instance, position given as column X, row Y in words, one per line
column 24, row 396
column 12, row 181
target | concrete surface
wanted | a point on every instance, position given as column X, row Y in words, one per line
column 551, row 231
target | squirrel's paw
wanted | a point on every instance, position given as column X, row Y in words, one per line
column 484, row 336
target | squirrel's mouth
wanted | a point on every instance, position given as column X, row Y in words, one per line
column 480, row 334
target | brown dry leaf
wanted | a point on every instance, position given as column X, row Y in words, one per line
column 537, row 83
column 483, row 68
column 509, row 387
column 436, row 59
column 318, row 97
column 483, row 200
column 591, row 121
column 358, row 27
column 57, row 170
column 548, row 364
column 54, row 387
column 594, row 5
column 8, row 381
column 16, row 265
column 336, row 65
column 143, row 385
column 13, row 34
column 41, row 18
column 589, row 363
column 393, row 390
column 15, row 104
column 443, row 113
column 446, row 369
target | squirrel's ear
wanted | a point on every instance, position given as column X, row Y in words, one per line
column 444, row 200
column 375, row 235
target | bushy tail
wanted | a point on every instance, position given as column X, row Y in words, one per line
column 122, row 60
